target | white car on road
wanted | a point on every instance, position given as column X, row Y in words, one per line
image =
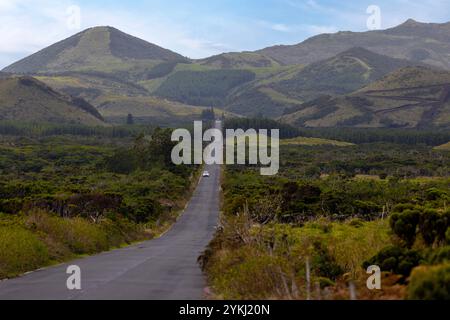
column 206, row 174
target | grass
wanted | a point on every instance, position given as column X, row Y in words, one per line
column 304, row 141
column 39, row 239
column 280, row 267
column 20, row 250
column 77, row 234
column 350, row 243
column 278, row 96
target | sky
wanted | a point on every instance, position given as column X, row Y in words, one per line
column 200, row 28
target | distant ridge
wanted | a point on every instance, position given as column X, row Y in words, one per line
column 342, row 74
column 410, row 41
column 411, row 97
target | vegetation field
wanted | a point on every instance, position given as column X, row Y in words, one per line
column 334, row 210
column 62, row 196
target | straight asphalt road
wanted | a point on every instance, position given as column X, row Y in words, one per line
column 161, row 269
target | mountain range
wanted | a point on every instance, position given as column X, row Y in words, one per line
column 389, row 78
column 420, row 42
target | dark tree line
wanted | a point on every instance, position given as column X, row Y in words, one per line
column 44, row 130
column 286, row 131
column 370, row 135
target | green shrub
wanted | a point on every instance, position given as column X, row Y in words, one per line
column 324, row 264
column 357, row 223
column 443, row 225
column 120, row 230
column 447, row 236
column 435, row 194
column 430, row 283
column 395, row 259
column 404, row 225
column 83, row 237
column 433, row 226
column 142, row 210
column 428, row 226
column 122, row 161
column 20, row 251
column 399, row 208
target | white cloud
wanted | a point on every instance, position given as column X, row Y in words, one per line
column 281, row 27
column 299, row 29
column 28, row 27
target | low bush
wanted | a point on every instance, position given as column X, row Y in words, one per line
column 395, row 259
column 430, row 283
column 404, row 225
column 324, row 263
column 433, row 226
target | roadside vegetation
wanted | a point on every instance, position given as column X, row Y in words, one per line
column 62, row 196
column 333, row 211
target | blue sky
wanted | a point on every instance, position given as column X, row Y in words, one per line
column 200, row 28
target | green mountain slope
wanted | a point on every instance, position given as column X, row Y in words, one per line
column 150, row 109
column 92, row 86
column 410, row 97
column 29, row 100
column 422, row 42
column 342, row 74
column 206, row 88
column 239, row 60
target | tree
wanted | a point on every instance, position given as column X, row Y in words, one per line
column 208, row 114
column 160, row 147
column 405, row 224
column 395, row 259
column 130, row 119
